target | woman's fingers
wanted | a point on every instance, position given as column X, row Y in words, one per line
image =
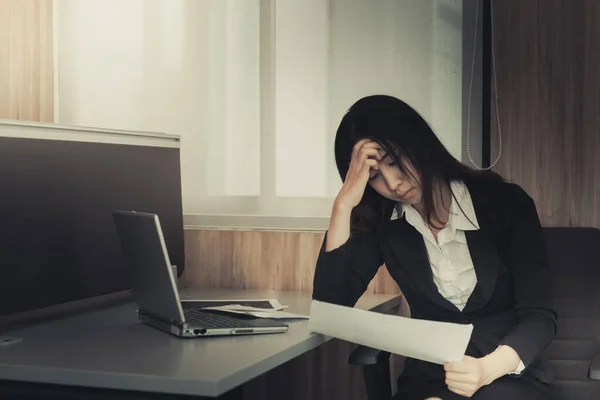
column 366, row 156
column 369, row 152
column 357, row 146
column 365, row 147
column 369, row 164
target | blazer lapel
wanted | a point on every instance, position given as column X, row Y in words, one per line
column 488, row 267
column 409, row 248
column 411, row 254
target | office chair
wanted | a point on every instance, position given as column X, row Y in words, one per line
column 574, row 256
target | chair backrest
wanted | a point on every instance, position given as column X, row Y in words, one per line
column 574, row 257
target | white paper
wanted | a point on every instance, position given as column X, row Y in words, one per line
column 436, row 342
column 273, row 314
column 238, row 307
column 279, row 315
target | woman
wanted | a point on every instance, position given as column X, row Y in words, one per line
column 463, row 245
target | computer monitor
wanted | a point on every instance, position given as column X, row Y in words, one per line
column 58, row 242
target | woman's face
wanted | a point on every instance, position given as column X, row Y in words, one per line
column 392, row 184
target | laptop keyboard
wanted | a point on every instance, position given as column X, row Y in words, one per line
column 210, row 320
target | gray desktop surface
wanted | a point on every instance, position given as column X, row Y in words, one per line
column 111, row 349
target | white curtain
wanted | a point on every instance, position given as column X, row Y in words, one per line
column 256, row 88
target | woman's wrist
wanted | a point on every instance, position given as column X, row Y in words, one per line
column 502, row 361
column 339, row 226
column 340, row 207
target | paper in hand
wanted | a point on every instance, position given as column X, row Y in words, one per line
column 436, row 342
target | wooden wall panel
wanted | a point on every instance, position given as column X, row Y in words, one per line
column 548, row 58
column 26, row 60
column 259, row 260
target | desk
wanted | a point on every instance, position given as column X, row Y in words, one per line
column 111, row 349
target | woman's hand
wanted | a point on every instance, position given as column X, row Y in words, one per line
column 466, row 377
column 365, row 156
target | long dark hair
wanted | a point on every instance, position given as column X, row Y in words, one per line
column 405, row 135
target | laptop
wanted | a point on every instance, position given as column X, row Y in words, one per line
column 154, row 286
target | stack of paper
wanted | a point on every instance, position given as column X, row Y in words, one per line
column 257, row 312
column 436, row 342
column 249, row 307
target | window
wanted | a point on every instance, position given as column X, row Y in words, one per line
column 256, row 88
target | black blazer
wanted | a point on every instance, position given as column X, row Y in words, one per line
column 511, row 303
